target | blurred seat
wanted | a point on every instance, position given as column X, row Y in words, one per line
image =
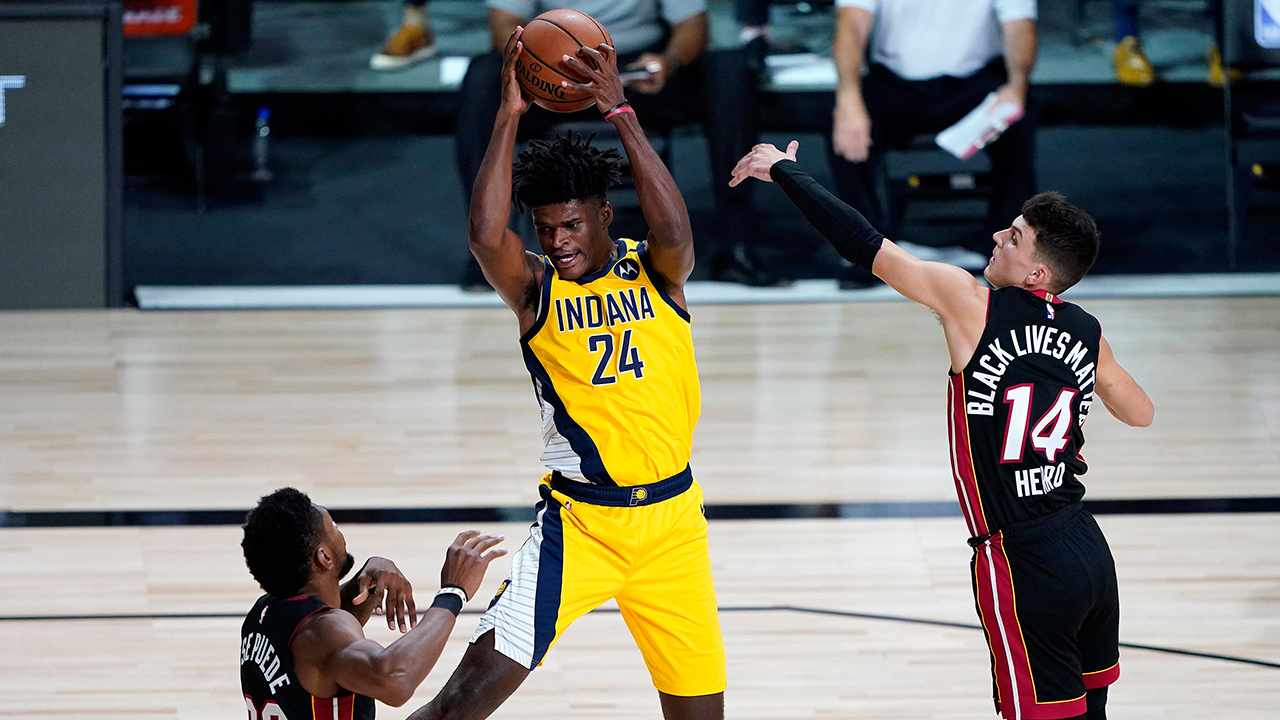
column 161, row 73
column 1251, row 109
column 174, row 70
column 923, row 171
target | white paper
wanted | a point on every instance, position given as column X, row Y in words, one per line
column 801, row 70
column 452, row 69
column 979, row 128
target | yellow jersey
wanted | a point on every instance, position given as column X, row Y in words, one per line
column 611, row 357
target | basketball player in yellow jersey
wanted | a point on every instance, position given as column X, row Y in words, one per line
column 605, row 335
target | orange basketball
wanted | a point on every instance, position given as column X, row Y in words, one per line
column 547, row 38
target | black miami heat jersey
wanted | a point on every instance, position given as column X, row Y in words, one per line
column 1017, row 410
column 270, row 686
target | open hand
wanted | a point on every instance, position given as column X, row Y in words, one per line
column 600, row 66
column 756, row 163
column 382, row 584
column 514, row 97
column 466, row 560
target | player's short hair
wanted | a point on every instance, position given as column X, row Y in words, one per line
column 1067, row 238
column 563, row 170
column 280, row 536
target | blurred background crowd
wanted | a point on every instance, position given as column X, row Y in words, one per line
column 294, row 142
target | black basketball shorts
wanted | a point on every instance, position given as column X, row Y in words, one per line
column 1046, row 594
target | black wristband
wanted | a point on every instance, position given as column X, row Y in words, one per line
column 844, row 227
column 624, row 103
column 449, row 602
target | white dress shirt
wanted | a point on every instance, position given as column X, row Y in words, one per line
column 924, row 39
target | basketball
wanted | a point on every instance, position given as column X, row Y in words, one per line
column 547, row 38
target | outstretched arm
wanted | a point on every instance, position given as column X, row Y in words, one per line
column 958, row 298
column 1122, row 395
column 670, row 234
column 330, row 650
column 944, row 288
column 509, row 268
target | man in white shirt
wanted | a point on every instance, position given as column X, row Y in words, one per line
column 931, row 62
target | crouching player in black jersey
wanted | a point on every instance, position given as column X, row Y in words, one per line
column 1025, row 367
column 303, row 653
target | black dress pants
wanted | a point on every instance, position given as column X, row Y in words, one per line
column 900, row 109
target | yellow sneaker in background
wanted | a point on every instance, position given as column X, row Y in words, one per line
column 1132, row 66
column 410, row 44
column 1217, row 73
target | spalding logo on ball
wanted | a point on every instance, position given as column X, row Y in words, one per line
column 546, row 39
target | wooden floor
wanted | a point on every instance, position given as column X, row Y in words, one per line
column 828, row 403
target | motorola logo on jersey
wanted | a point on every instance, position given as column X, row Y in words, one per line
column 9, row 82
column 627, row 269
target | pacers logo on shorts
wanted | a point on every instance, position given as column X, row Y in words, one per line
column 627, row 269
column 638, row 495
column 501, row 589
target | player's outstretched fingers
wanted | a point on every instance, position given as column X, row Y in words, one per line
column 362, row 597
column 484, row 544
column 398, row 604
column 595, row 56
column 471, row 563
column 580, row 68
column 410, row 610
column 513, row 41
column 742, row 170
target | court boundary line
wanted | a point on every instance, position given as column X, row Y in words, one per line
column 525, row 513
column 727, row 609
column 698, row 293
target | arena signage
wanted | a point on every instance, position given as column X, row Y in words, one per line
column 9, row 82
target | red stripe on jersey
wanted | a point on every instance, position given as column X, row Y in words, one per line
column 328, row 708
column 962, row 459
column 1047, row 296
column 998, row 608
column 346, row 708
column 1102, row 678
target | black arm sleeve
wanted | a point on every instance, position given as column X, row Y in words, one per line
column 845, row 228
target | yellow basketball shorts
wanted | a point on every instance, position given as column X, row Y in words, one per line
column 644, row 546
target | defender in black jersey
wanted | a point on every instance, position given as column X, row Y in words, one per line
column 1025, row 369
column 303, row 653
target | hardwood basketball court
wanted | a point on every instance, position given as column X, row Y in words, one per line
column 847, row 595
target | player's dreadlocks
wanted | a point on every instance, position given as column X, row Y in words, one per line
column 566, row 169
